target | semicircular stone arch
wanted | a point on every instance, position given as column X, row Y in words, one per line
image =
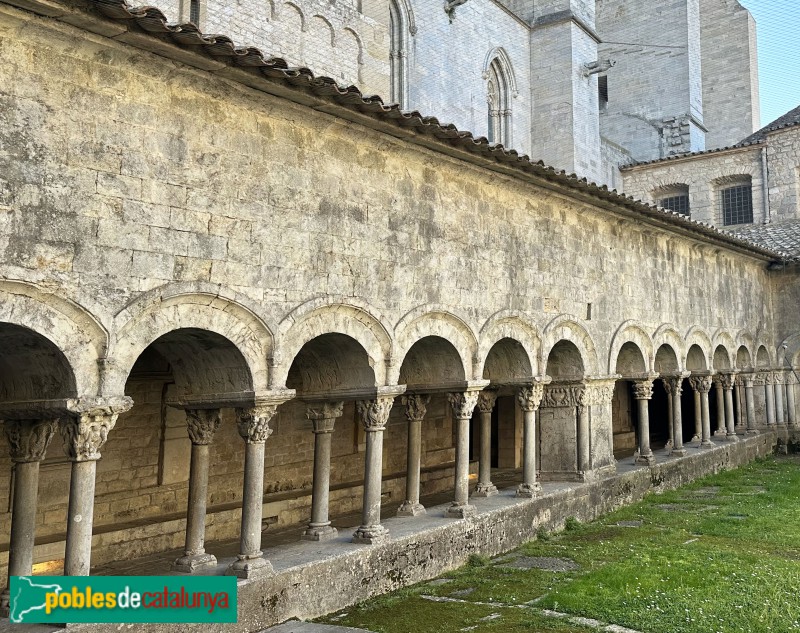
column 329, row 363
column 697, row 337
column 568, row 328
column 763, row 358
column 630, row 332
column 71, row 329
column 434, row 321
column 328, row 316
column 722, row 358
column 192, row 312
column 510, row 325
column 430, row 362
column 667, row 334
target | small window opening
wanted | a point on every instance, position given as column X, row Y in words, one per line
column 194, row 12
column 602, row 91
column 737, row 205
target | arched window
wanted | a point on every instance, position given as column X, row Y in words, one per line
column 675, row 198
column 735, row 200
column 399, row 29
column 498, row 96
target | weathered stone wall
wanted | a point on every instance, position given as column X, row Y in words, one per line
column 705, row 175
column 783, row 156
column 165, row 197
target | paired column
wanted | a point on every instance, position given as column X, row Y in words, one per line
column 84, row 434
column 323, row 417
column 201, row 424
column 643, row 392
column 253, row 426
column 769, row 392
column 463, row 404
column 529, row 399
column 27, row 442
column 750, row 405
column 485, row 487
column 791, row 404
column 726, row 383
column 416, row 408
column 780, row 415
column 721, row 430
column 698, row 414
column 701, row 386
column 670, row 415
column 374, row 416
column 738, row 394
column 674, row 388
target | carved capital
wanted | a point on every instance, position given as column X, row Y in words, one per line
column 760, row 379
column 325, row 410
column 748, row 380
column 701, row 384
column 530, row 396
column 86, row 434
column 202, row 424
column 375, row 413
column 463, row 403
column 253, row 423
column 727, row 381
column 28, row 439
column 643, row 389
column 596, row 392
column 486, row 400
column 416, row 406
column 769, row 378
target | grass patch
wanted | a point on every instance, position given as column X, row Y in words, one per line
column 719, row 555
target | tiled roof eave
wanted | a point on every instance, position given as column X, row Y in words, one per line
column 147, row 28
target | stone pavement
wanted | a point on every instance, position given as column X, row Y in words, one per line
column 293, row 626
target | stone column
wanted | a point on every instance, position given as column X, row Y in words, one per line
column 84, row 434
column 416, row 408
column 529, row 399
column 769, row 392
column 463, row 404
column 749, row 380
column 202, row 424
column 780, row 416
column 674, row 387
column 323, row 417
column 726, row 382
column 698, row 414
column 701, row 386
column 721, row 430
column 738, row 393
column 670, row 414
column 374, row 416
column 27, row 443
column 253, row 426
column 583, row 438
column 485, row 487
column 642, row 392
column 791, row 404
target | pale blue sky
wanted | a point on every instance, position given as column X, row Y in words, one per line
column 778, row 24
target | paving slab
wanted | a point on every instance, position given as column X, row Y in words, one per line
column 294, row 626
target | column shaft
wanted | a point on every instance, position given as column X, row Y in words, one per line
column 721, row 430
column 791, row 403
column 706, row 440
column 485, row 487
column 751, row 407
column 769, row 393
column 584, row 444
column 677, row 420
column 78, row 551
column 698, row 417
column 416, row 407
column 737, row 399
column 780, row 416
column 643, row 391
column 529, row 398
column 463, row 404
column 731, row 428
column 23, row 519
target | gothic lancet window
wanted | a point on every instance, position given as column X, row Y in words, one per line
column 398, row 54
column 499, row 104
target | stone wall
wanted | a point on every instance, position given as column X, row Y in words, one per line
column 783, row 156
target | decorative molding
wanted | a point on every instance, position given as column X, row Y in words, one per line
column 597, row 393
column 253, row 422
column 557, row 396
column 202, row 424
column 375, row 413
column 463, row 403
column 28, row 439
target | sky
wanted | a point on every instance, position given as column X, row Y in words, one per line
column 778, row 28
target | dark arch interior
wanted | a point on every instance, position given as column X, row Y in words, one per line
column 565, row 362
column 666, row 361
column 507, row 362
column 431, row 360
column 330, row 362
column 696, row 359
column 721, row 360
column 762, row 357
column 630, row 361
column 32, row 367
column 743, row 358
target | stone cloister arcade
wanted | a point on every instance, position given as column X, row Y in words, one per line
column 196, row 402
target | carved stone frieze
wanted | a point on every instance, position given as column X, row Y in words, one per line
column 556, row 396
column 28, row 439
column 416, row 406
column 375, row 413
column 597, row 393
column 486, row 400
column 253, row 423
column 463, row 403
column 202, row 424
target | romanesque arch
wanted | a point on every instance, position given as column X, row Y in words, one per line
column 511, row 325
column 634, row 333
column 568, row 328
column 698, row 338
column 435, row 321
column 667, row 334
column 355, row 319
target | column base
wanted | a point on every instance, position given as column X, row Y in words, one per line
column 409, row 509
column 678, row 452
column 255, row 566
column 190, row 563
column 460, row 511
column 707, row 444
column 695, row 439
column 319, row 533
column 485, row 490
column 529, row 491
column 647, row 460
column 731, row 437
column 371, row 535
column 720, row 433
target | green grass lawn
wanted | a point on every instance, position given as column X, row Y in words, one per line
column 722, row 554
